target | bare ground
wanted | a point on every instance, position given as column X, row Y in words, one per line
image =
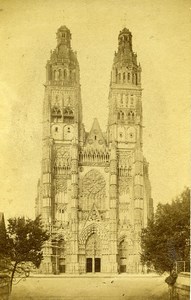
column 94, row 288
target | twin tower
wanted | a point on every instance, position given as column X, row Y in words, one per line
column 94, row 194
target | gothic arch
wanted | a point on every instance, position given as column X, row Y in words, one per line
column 89, row 230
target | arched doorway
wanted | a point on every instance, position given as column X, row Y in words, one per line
column 93, row 254
column 122, row 256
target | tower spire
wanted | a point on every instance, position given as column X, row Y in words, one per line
column 125, row 111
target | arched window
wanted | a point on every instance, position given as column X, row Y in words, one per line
column 131, row 116
column 65, row 74
column 122, row 256
column 132, row 78
column 56, row 113
column 54, row 74
column 136, row 79
column 129, row 76
column 119, row 77
column 121, row 116
column 124, row 77
column 68, row 115
column 60, row 74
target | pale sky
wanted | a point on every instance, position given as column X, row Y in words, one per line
column 161, row 38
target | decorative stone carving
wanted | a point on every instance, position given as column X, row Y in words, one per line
column 61, row 184
column 106, row 170
column 74, row 166
column 94, row 214
column 84, row 215
column 102, row 232
column 93, row 185
column 62, row 162
column 62, row 152
column 74, row 191
column 93, row 245
column 123, row 186
column 67, row 235
column 61, row 206
column 125, row 159
column 94, row 156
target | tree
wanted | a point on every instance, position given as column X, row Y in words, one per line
column 166, row 238
column 21, row 245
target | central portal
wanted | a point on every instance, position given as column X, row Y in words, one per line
column 93, row 253
column 93, row 264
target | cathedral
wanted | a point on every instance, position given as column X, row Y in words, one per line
column 94, row 194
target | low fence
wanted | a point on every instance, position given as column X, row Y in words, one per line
column 181, row 289
column 182, row 266
column 4, row 287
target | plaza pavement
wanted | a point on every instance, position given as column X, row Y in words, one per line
column 91, row 287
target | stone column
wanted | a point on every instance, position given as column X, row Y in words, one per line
column 113, row 211
column 73, row 266
column 138, row 206
column 47, row 206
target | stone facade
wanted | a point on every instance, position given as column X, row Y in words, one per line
column 94, row 194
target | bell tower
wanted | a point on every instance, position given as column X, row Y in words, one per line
column 133, row 191
column 125, row 108
column 63, row 88
column 62, row 118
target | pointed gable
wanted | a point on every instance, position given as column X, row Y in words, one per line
column 95, row 136
column 93, row 216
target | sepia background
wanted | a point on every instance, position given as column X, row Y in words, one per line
column 161, row 38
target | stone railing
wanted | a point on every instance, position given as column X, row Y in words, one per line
column 4, row 287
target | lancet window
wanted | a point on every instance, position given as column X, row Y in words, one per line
column 56, row 114
column 96, row 156
column 68, row 115
column 131, row 116
column 121, row 116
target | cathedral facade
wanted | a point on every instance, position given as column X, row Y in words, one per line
column 94, row 194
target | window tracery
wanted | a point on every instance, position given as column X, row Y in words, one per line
column 56, row 113
column 93, row 185
column 68, row 114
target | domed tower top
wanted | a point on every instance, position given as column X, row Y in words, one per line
column 125, row 68
column 125, row 39
column 63, row 67
column 63, row 36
